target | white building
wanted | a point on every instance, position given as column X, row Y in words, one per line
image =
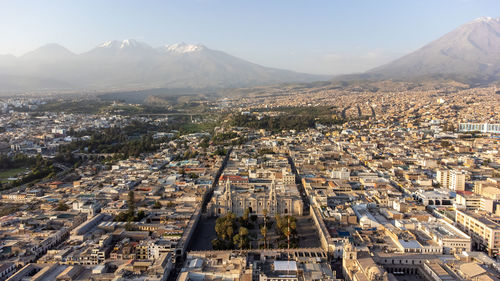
column 474, row 202
column 434, row 197
column 479, row 127
column 442, row 177
column 343, row 174
column 457, row 180
column 451, row 239
column 454, row 180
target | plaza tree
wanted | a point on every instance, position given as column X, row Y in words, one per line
column 231, row 233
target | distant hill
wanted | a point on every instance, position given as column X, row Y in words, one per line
column 133, row 65
column 470, row 53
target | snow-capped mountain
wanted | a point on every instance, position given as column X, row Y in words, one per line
column 182, row 48
column 125, row 47
column 130, row 64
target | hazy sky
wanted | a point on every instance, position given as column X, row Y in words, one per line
column 330, row 37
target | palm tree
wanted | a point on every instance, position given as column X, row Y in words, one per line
column 240, row 238
column 237, row 241
column 263, row 230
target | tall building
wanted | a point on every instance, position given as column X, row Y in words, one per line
column 442, row 177
column 451, row 179
column 457, row 180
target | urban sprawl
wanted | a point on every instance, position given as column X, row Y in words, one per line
column 280, row 184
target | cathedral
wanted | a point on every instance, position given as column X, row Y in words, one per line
column 256, row 198
column 359, row 265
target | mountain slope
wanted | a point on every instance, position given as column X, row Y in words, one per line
column 472, row 51
column 131, row 65
column 49, row 52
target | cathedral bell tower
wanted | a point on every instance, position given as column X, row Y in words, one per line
column 273, row 201
column 228, row 196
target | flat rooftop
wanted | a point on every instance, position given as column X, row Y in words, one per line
column 443, row 230
column 484, row 218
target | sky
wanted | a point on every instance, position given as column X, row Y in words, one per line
column 312, row 36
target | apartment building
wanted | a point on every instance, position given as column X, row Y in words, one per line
column 483, row 229
column 451, row 179
column 474, row 202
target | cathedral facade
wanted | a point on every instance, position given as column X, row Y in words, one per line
column 265, row 198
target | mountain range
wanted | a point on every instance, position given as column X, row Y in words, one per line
column 133, row 65
column 470, row 53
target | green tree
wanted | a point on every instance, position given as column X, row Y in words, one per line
column 217, row 244
column 140, row 215
column 61, row 206
column 220, row 230
column 246, row 217
column 238, row 241
column 220, row 151
column 263, row 231
column 122, row 216
column 241, row 238
column 229, row 230
column 157, row 205
column 243, row 231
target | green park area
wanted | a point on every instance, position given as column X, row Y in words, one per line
column 11, row 173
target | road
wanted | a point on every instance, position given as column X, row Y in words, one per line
column 300, row 187
column 203, row 226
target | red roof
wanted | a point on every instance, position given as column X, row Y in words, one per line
column 233, row 178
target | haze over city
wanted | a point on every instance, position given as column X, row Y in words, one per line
column 327, row 37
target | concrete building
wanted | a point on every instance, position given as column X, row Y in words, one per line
column 6, row 269
column 451, row 179
column 483, row 229
column 442, row 177
column 457, row 180
column 451, row 239
column 434, row 197
column 474, row 202
column 479, row 127
column 344, row 174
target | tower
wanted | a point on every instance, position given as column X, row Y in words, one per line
column 229, row 197
column 349, row 260
column 273, row 201
column 349, row 251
